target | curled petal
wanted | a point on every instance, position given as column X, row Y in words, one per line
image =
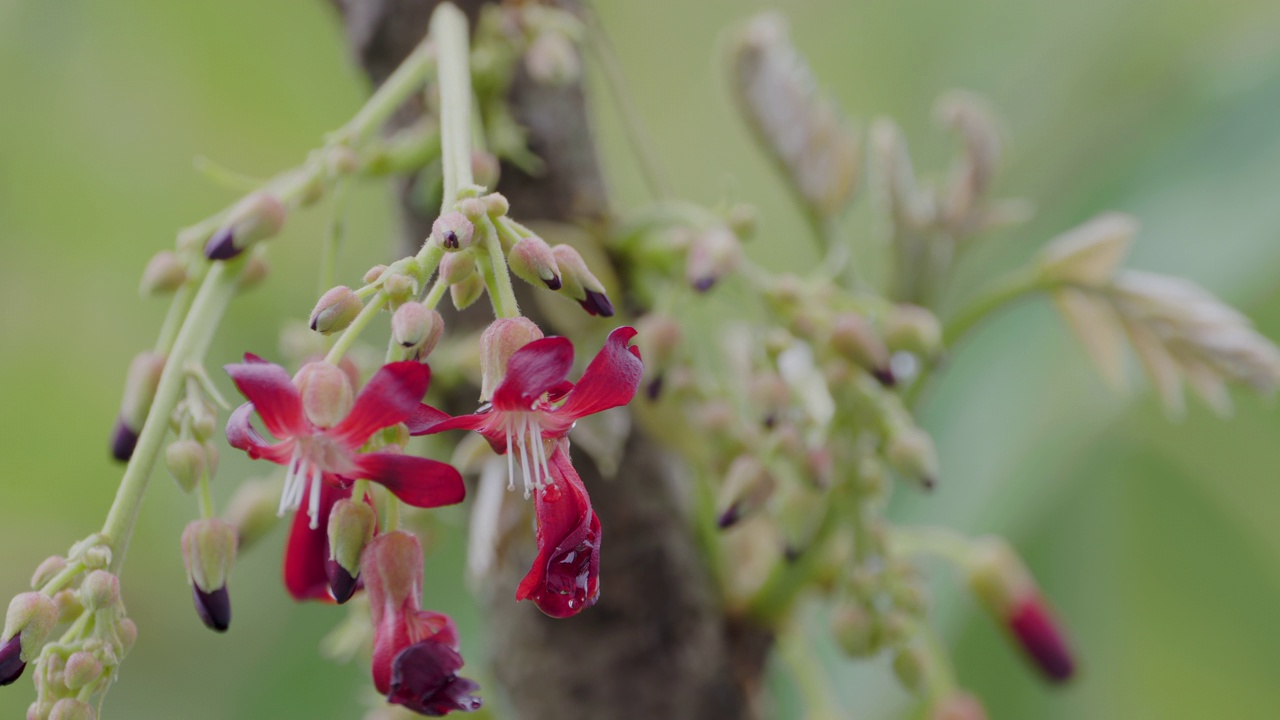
column 565, row 577
column 424, row 420
column 270, row 389
column 393, row 395
column 420, row 482
column 307, row 551
column 611, row 379
column 534, row 369
column 425, row 680
column 242, row 436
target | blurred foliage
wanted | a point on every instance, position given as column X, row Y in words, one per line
column 1157, row 542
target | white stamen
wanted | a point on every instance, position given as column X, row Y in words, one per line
column 511, row 463
column 313, row 510
column 290, row 477
column 524, row 456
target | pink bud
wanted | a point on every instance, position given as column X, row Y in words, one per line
column 453, row 231
column 335, row 310
column 82, row 669
column 139, row 390
column 410, row 325
column 100, row 590
column 532, row 260
column 30, row 619
column 256, row 218
column 47, row 571
column 164, row 274
column 185, row 461
column 578, row 283
column 466, row 292
column 713, row 254
column 208, row 552
column 352, row 525
column 485, row 168
column 71, row 709
column 498, row 343
column 327, row 395
column 855, row 340
column 456, row 267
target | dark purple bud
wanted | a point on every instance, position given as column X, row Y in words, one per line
column 424, row 679
column 885, row 376
column 654, row 388
column 554, row 283
column 703, row 284
column 123, row 441
column 11, row 664
column 597, row 303
column 341, row 583
column 214, row 608
column 729, row 517
column 222, row 245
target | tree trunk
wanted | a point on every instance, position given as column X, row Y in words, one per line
column 658, row 645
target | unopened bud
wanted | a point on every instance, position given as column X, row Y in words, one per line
column 465, row 293
column 958, row 706
column 72, row 709
column 855, row 630
column 748, row 485
column 82, row 669
column 164, row 274
column 256, row 269
column 100, row 590
column 578, row 283
column 498, row 343
column 453, row 231
column 127, row 631
column 399, row 288
column 856, row 341
column 208, row 551
column 743, row 220
column 47, row 570
column 335, row 310
column 11, row 662
column 185, row 462
column 392, row 567
column 69, row 605
column 485, row 168
column 713, row 254
column 532, row 260
column 139, row 390
column 471, row 206
column 327, row 395
column 256, row 218
column 410, row 325
column 1090, row 254
column 913, row 329
column 372, row 274
column 1009, row 593
column 910, row 667
column 30, row 619
column 552, row 59
column 456, row 267
column 352, row 524
column 496, row 204
column 252, row 511
column 910, row 451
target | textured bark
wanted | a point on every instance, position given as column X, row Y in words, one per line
column 657, row 645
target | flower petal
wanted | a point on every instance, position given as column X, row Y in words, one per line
column 420, row 482
column 565, row 577
column 241, row 435
column 392, row 395
column 425, row 680
column 610, row 380
column 270, row 389
column 307, row 550
column 424, row 419
column 534, row 369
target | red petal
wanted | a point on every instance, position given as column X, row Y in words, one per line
column 424, row 419
column 534, row 369
column 1038, row 634
column 270, row 389
column 565, row 577
column 304, row 556
column 417, row 481
column 392, row 395
column 611, row 379
column 242, row 436
column 458, row 422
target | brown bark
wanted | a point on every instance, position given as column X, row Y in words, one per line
column 658, row 645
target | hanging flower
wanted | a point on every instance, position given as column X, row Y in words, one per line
column 415, row 651
column 565, row 577
column 320, row 430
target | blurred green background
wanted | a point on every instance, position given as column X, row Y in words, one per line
column 1158, row 542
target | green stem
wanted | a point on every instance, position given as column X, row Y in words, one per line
column 932, row 542
column 1006, row 289
column 205, row 498
column 405, row 81
column 62, row 579
column 333, row 239
column 349, row 336
column 177, row 312
column 497, row 277
column 435, row 294
column 449, row 34
column 190, row 345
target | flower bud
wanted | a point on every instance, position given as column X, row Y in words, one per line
column 252, row 511
column 453, row 231
column 352, row 524
column 658, row 336
column 1010, row 594
column 100, row 590
column 578, row 283
column 532, row 260
column 399, row 288
column 30, row 619
column 465, row 293
column 855, row 340
column 72, row 709
column 958, row 706
column 456, row 267
column 743, row 220
column 335, row 310
column 69, row 605
column 372, row 274
column 856, row 631
column 485, row 168
column 910, row 451
column 127, row 630
column 11, row 662
column 498, row 343
column 392, row 564
column 256, row 269
column 164, row 274
column 208, row 551
column 82, row 668
column 1090, row 254
column 47, row 570
column 256, row 218
column 552, row 60
column 713, row 254
column 327, row 395
column 96, row 557
column 913, row 329
column 496, row 204
column 748, row 485
column 910, row 667
column 186, row 463
column 139, row 390
column 411, row 325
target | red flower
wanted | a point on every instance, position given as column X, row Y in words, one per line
column 1038, row 634
column 324, row 461
column 415, row 651
column 532, row 410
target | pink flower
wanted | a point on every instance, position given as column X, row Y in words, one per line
column 320, row 434
column 415, row 651
column 530, row 414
